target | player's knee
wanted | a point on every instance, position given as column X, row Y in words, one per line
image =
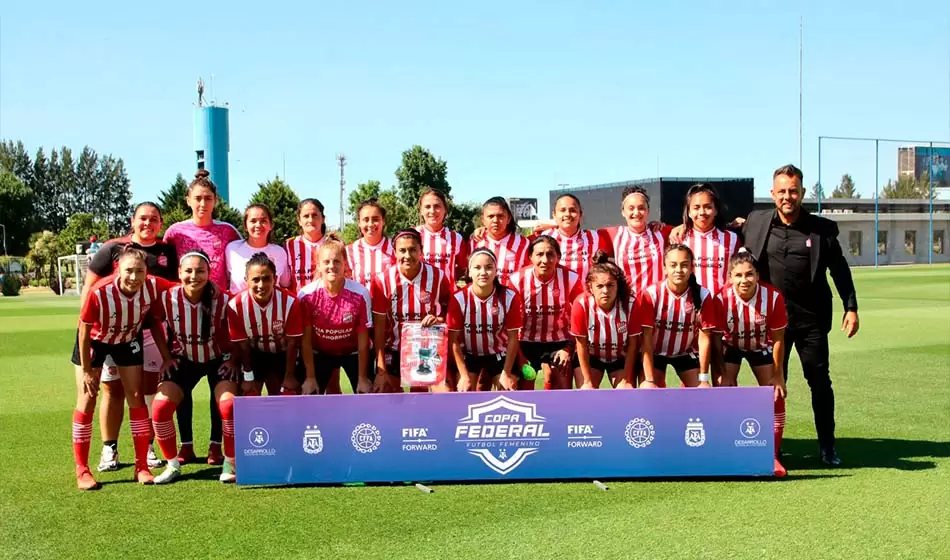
column 226, row 406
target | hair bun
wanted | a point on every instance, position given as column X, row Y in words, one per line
column 742, row 250
column 600, row 257
column 202, row 174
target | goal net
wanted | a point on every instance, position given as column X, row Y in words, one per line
column 71, row 271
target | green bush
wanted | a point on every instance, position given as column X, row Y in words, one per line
column 34, row 283
column 44, row 282
column 11, row 285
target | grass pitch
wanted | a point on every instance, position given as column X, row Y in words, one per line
column 890, row 500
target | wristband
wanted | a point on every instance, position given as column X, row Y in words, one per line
column 704, row 378
column 248, row 375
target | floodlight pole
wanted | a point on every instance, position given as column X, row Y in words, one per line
column 4, row 239
column 818, row 194
column 877, row 227
column 930, row 196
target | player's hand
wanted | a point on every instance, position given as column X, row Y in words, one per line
column 736, row 224
column 90, row 381
column 850, row 325
column 542, row 227
column 429, row 320
column 676, row 236
column 309, row 386
column 226, row 371
column 624, row 384
column 588, row 385
column 478, row 234
column 381, row 385
column 647, row 384
column 290, row 385
column 248, row 389
column 167, row 365
column 655, row 227
column 509, row 382
column 465, row 382
column 561, row 359
column 781, row 391
column 704, row 385
column 364, row 386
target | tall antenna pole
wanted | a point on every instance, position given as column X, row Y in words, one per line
column 341, row 160
column 801, row 51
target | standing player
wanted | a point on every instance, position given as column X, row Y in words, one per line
column 196, row 315
column 484, row 319
column 160, row 259
column 502, row 238
column 259, row 222
column 411, row 291
column 755, row 319
column 704, row 231
column 678, row 316
column 578, row 246
column 337, row 313
column 606, row 329
column 111, row 324
column 266, row 326
column 548, row 290
column 372, row 253
column 202, row 232
column 441, row 247
column 636, row 248
column 302, row 250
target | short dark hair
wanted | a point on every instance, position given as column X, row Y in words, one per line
column 789, row 171
column 636, row 189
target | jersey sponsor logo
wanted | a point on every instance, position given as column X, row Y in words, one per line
column 502, row 432
column 533, row 309
column 695, row 435
column 477, row 328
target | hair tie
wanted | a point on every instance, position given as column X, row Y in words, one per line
column 200, row 255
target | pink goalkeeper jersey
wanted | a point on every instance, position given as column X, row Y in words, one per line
column 212, row 239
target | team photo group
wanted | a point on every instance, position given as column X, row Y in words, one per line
column 575, row 307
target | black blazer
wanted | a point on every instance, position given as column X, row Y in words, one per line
column 826, row 255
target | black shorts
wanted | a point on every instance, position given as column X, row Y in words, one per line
column 761, row 358
column 324, row 364
column 188, row 374
column 599, row 365
column 489, row 364
column 538, row 353
column 681, row 363
column 393, row 363
column 267, row 364
column 126, row 354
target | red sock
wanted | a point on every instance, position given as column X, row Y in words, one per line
column 226, row 407
column 778, row 428
column 82, row 433
column 141, row 434
column 163, row 414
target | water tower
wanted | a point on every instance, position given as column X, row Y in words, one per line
column 211, row 141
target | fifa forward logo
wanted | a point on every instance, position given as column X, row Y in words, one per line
column 312, row 440
column 695, row 433
column 502, row 433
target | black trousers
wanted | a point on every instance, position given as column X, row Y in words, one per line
column 811, row 342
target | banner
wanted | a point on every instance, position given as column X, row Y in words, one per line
column 504, row 436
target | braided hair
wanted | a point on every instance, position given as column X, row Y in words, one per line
column 695, row 292
column 208, row 294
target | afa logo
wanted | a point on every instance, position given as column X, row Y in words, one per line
column 502, row 433
column 312, row 440
column 695, row 433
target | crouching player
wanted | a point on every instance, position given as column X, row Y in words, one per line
column 755, row 330
column 111, row 324
column 196, row 316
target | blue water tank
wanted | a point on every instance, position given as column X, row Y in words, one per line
column 212, row 146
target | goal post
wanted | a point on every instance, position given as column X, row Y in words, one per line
column 72, row 267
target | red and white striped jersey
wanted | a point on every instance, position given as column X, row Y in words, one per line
column 639, row 255
column 675, row 320
column 302, row 257
column 607, row 334
column 186, row 319
column 577, row 250
column 511, row 251
column 445, row 250
column 117, row 318
column 711, row 253
column 267, row 327
column 403, row 300
column 484, row 324
column 547, row 305
column 366, row 261
column 749, row 323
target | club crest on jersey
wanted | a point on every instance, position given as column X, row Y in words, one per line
column 622, row 327
column 162, row 260
column 278, row 327
column 688, row 306
column 424, row 297
column 347, row 317
column 759, row 319
column 556, row 293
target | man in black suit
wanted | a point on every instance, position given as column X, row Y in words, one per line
column 793, row 249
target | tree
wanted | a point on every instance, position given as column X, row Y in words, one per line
column 66, row 183
column 845, row 188
column 44, row 249
column 79, row 228
column 363, row 191
column 224, row 212
column 46, row 199
column 816, row 192
column 282, row 201
column 173, row 216
column 16, row 213
column 86, row 193
column 113, row 199
column 463, row 217
column 398, row 215
column 16, row 159
column 908, row 187
column 420, row 169
column 174, row 197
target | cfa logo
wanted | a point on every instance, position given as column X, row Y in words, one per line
column 312, row 440
column 366, row 438
column 502, row 432
column 639, row 433
column 695, row 433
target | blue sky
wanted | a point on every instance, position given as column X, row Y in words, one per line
column 517, row 96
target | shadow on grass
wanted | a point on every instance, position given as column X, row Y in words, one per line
column 867, row 453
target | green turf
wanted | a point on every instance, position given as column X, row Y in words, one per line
column 890, row 501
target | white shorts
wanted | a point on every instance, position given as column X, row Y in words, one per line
column 150, row 354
